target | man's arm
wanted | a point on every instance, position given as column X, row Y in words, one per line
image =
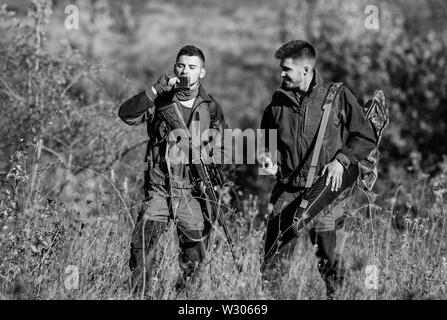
column 137, row 110
column 141, row 107
column 360, row 138
column 266, row 159
column 218, row 124
column 267, row 119
column 268, row 123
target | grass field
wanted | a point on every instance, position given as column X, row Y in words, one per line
column 45, row 242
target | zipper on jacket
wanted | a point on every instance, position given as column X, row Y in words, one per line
column 305, row 119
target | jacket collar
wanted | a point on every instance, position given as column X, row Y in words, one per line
column 203, row 95
column 317, row 81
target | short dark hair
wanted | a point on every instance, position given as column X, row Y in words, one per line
column 296, row 49
column 191, row 50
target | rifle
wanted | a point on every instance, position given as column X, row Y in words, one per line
column 201, row 175
column 199, row 169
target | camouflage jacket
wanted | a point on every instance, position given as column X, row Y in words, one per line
column 139, row 109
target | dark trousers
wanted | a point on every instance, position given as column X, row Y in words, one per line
column 280, row 237
column 185, row 211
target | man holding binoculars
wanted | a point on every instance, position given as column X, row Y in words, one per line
column 169, row 189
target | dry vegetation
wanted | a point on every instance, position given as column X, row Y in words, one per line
column 40, row 238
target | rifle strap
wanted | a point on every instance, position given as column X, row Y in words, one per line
column 327, row 106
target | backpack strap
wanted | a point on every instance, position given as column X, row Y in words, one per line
column 327, row 106
column 212, row 109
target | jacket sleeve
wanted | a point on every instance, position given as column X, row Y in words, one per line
column 219, row 124
column 267, row 123
column 138, row 109
column 267, row 119
column 359, row 140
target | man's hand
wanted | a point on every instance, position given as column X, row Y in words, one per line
column 267, row 168
column 202, row 187
column 334, row 173
column 165, row 83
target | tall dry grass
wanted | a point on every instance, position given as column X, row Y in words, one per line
column 41, row 236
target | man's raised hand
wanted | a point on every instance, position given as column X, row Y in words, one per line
column 165, row 83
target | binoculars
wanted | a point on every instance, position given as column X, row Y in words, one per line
column 184, row 82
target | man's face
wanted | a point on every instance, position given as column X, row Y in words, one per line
column 293, row 72
column 191, row 66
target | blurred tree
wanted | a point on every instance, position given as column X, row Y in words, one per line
column 79, row 96
column 127, row 17
column 61, row 106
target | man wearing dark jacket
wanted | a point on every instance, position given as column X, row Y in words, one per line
column 295, row 112
column 169, row 191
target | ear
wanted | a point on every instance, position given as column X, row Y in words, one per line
column 306, row 69
column 202, row 73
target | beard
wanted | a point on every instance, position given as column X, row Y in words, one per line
column 288, row 84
